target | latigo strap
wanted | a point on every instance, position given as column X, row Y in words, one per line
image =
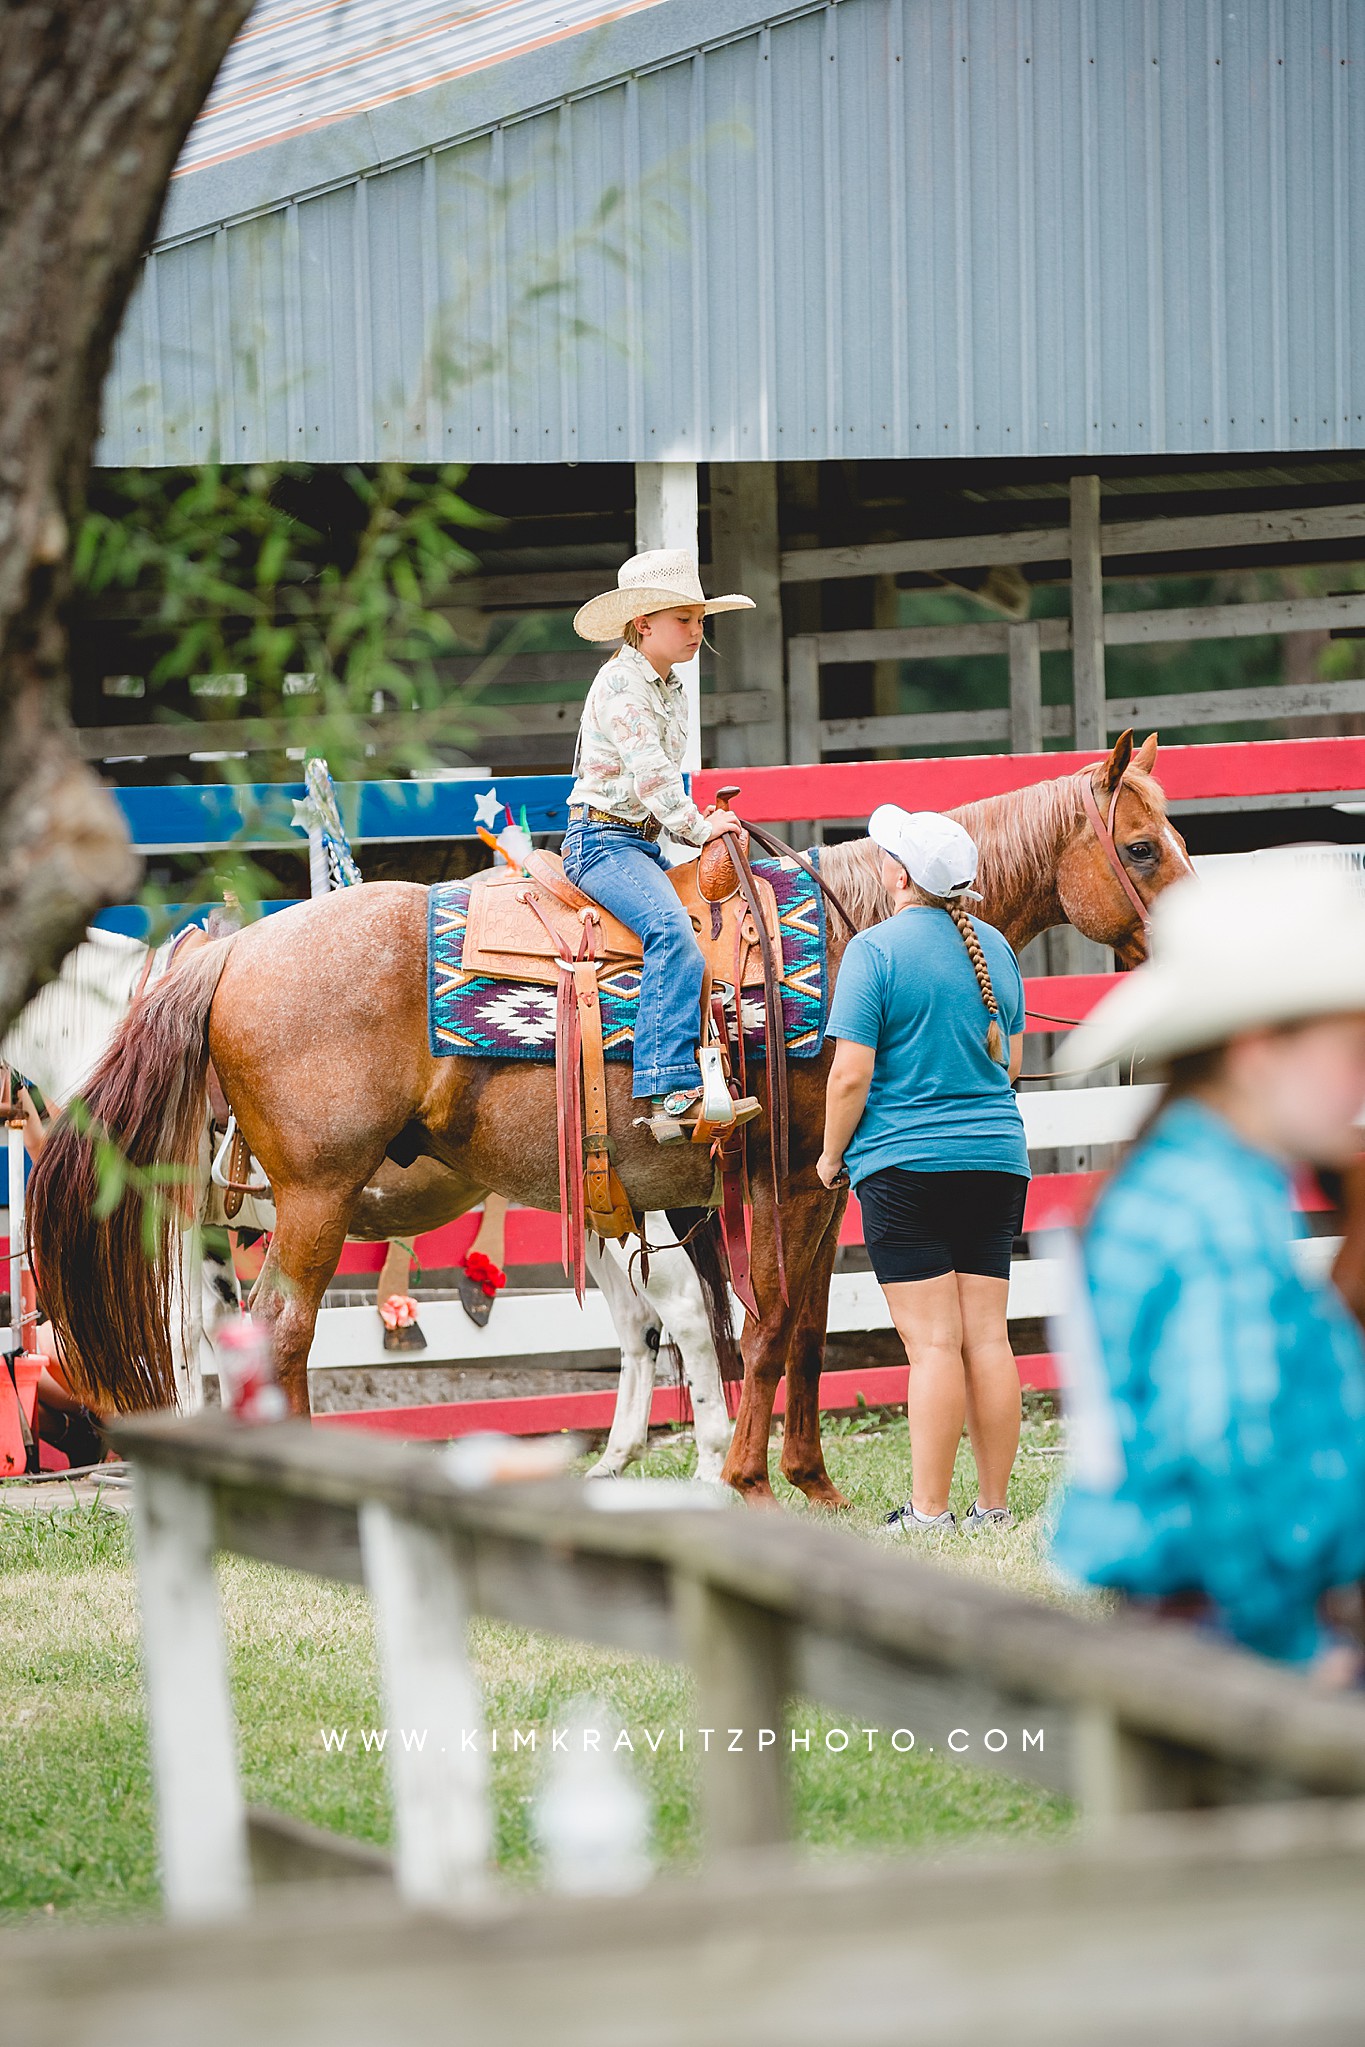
column 591, row 1196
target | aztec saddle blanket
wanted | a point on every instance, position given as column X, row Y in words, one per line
column 485, row 1017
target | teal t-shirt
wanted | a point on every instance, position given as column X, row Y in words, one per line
column 938, row 1101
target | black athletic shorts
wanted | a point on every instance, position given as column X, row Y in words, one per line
column 920, row 1225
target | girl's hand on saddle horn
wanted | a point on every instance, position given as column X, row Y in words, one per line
column 719, row 822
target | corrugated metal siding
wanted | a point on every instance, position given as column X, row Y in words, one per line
column 864, row 228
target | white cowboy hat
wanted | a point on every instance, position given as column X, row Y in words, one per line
column 665, row 579
column 936, row 853
column 1275, row 938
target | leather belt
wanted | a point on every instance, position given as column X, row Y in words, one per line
column 583, row 813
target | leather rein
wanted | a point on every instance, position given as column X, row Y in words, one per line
column 1103, row 828
column 770, row 843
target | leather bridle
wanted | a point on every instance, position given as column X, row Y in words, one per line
column 1103, row 828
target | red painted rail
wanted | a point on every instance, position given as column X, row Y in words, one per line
column 852, row 789
column 1060, row 1001
column 547, row 1414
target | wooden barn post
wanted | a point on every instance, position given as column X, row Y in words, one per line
column 666, row 516
column 1087, row 614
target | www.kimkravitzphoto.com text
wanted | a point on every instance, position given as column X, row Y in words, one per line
column 733, row 1740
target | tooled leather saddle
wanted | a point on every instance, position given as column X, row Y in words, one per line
column 515, row 920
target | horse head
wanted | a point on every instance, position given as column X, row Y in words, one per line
column 1130, row 811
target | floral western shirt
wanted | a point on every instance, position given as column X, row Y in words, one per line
column 1218, row 1402
column 630, row 747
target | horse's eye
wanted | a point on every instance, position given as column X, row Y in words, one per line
column 1141, row 849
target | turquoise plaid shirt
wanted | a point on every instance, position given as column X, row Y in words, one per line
column 1221, row 1438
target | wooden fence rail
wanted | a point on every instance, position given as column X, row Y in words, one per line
column 1123, row 1716
column 1028, row 721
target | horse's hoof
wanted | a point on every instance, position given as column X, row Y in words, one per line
column 822, row 1492
column 755, row 1492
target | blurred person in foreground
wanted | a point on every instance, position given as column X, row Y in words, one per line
column 1216, row 1384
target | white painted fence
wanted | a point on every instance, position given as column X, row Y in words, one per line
column 536, row 1324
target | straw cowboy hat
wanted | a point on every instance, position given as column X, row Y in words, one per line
column 1273, row 939
column 665, row 579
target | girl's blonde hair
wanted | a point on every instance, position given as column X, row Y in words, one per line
column 957, row 910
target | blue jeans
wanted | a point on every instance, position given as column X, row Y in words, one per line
column 628, row 876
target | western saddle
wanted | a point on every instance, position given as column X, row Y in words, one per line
column 528, row 922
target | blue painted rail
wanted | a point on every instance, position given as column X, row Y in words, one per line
column 253, row 816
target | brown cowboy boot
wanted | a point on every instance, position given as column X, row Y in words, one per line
column 675, row 1114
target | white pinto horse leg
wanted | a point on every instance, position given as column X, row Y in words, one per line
column 674, row 1292
column 638, row 1328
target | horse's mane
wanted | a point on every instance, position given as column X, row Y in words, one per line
column 853, row 870
column 1020, row 833
column 1018, row 836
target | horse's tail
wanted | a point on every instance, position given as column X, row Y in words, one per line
column 704, row 1245
column 101, row 1221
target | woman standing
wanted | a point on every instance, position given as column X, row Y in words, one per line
column 928, row 1018
column 1216, row 1388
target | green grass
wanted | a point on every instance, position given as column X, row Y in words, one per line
column 76, row 1815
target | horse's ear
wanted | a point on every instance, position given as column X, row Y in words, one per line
column 1114, row 769
column 1145, row 757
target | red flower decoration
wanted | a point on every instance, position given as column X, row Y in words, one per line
column 484, row 1272
column 398, row 1312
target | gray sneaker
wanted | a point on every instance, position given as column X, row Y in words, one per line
column 987, row 1517
column 905, row 1521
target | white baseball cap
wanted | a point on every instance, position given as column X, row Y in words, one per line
column 935, row 852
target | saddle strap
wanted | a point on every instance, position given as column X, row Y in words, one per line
column 731, row 1156
column 775, row 1039
column 553, row 878
column 568, row 1102
column 590, row 1192
column 239, row 1167
column 609, row 1212
column 568, row 1067
column 780, row 850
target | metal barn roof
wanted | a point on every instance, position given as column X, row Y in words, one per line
column 294, row 67
column 847, row 228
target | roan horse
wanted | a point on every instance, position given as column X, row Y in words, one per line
column 57, row 1041
column 316, row 1022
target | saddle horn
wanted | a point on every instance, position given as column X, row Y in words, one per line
column 717, row 875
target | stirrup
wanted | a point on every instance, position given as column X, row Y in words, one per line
column 673, row 1116
column 677, row 1115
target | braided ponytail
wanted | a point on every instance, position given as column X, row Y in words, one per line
column 957, row 910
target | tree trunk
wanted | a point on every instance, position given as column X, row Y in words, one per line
column 96, row 97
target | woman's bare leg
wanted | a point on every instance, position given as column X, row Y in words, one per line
column 929, row 1323
column 994, row 1403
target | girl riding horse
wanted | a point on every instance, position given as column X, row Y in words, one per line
column 628, row 788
